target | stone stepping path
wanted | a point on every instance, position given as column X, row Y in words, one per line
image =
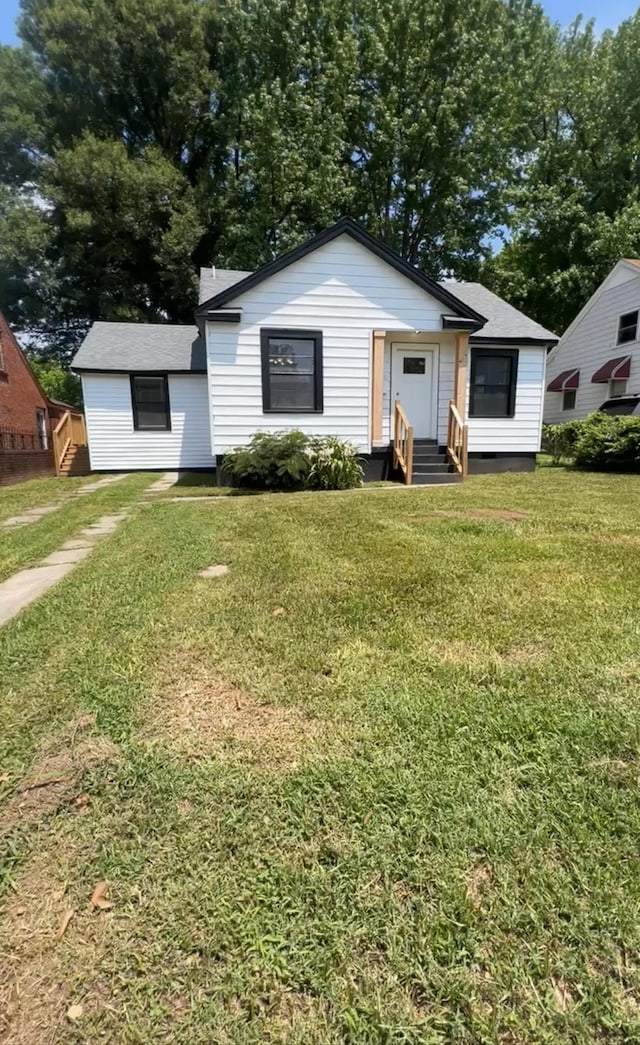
column 28, row 585
column 33, row 514
column 165, row 482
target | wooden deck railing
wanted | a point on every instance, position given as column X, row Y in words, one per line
column 402, row 443
column 457, row 440
column 69, row 431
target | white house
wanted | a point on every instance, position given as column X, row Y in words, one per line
column 340, row 336
column 599, row 355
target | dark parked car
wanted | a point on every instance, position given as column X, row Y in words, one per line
column 622, row 405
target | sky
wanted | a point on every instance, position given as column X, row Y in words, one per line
column 608, row 13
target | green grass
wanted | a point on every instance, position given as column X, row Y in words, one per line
column 423, row 827
column 35, row 493
column 197, row 484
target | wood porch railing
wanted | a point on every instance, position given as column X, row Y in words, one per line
column 69, row 431
column 402, row 443
column 457, row 440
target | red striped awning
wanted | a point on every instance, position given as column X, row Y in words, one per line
column 566, row 380
column 615, row 370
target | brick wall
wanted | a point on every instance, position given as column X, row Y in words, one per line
column 20, row 394
column 16, row 465
column 20, row 397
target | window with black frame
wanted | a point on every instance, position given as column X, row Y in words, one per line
column 628, row 327
column 150, row 403
column 291, row 371
column 492, row 387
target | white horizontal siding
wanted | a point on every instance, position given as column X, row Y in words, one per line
column 113, row 442
column 346, row 292
column 590, row 343
column 522, row 431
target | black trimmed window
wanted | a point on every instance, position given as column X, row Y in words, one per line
column 492, row 388
column 628, row 327
column 291, row 371
column 150, row 403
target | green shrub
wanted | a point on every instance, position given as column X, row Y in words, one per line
column 560, row 440
column 293, row 461
column 270, row 461
column 609, row 443
column 334, row 465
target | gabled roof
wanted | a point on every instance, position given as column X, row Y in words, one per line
column 344, row 227
column 142, row 346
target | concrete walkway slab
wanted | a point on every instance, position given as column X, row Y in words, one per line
column 107, row 480
column 37, row 512
column 27, row 586
column 66, row 555
column 77, row 542
column 218, row 570
column 165, row 482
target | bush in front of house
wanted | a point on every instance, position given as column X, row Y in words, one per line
column 609, row 443
column 334, row 465
column 270, row 461
column 600, row 442
column 292, row 460
column 560, row 440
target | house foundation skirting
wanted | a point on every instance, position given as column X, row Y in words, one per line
column 501, row 461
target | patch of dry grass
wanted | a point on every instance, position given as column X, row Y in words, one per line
column 199, row 713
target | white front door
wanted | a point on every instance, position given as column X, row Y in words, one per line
column 413, row 383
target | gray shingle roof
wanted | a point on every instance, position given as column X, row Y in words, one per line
column 141, row 346
column 211, row 285
column 503, row 320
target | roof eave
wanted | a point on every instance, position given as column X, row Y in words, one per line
column 523, row 342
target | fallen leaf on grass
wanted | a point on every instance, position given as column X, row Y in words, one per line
column 561, row 995
column 278, row 612
column 4, row 778
column 99, row 897
column 64, row 923
column 82, row 801
column 74, row 1012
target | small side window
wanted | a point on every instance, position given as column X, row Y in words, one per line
column 628, row 327
column 150, row 403
column 617, row 387
column 569, row 399
column 492, row 389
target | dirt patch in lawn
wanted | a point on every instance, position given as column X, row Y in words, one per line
column 44, row 970
column 622, row 539
column 478, row 882
column 53, row 779
column 200, row 713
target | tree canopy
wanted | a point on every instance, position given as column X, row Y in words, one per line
column 140, row 139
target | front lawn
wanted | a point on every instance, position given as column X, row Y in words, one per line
column 377, row 784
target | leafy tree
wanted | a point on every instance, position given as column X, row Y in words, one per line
column 577, row 209
column 58, row 382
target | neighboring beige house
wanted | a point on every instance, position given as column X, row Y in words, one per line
column 598, row 357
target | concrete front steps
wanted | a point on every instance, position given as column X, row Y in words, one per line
column 75, row 461
column 430, row 464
